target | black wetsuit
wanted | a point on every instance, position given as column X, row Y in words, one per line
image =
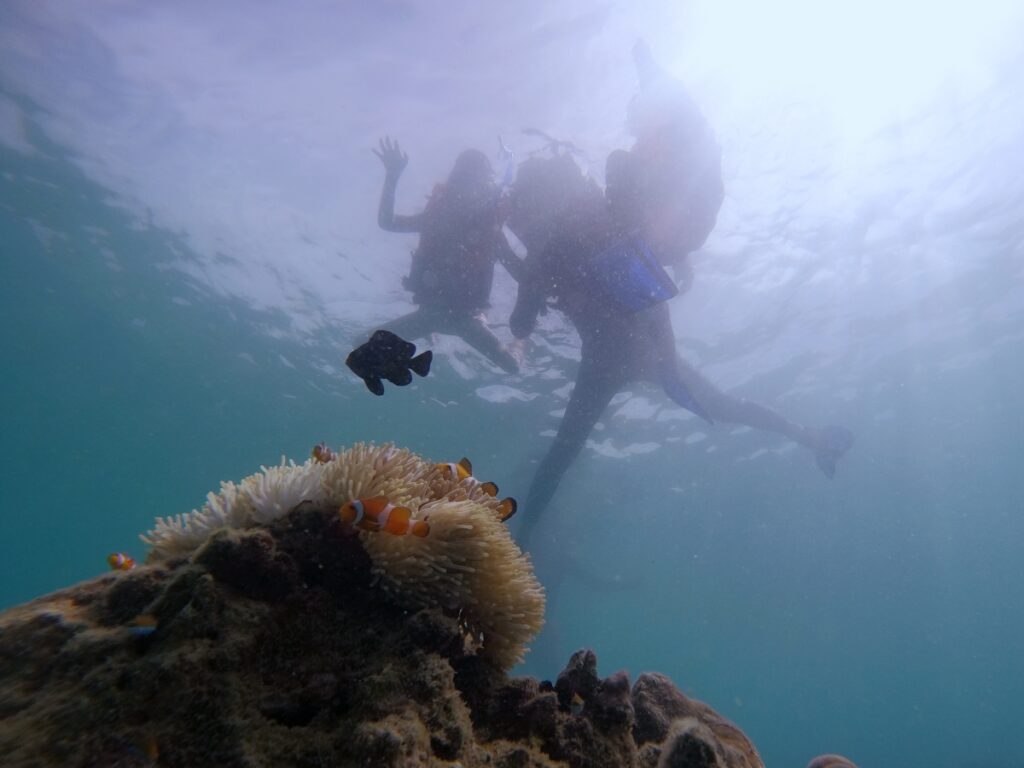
column 452, row 272
column 618, row 346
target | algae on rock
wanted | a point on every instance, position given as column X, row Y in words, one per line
column 273, row 646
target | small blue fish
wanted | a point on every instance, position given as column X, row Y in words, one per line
column 142, row 625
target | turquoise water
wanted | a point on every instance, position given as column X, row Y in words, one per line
column 879, row 615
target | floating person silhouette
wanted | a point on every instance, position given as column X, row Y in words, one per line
column 620, row 314
column 598, row 256
column 679, row 160
column 461, row 238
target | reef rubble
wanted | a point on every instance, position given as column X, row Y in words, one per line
column 275, row 646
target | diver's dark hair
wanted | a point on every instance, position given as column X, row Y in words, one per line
column 626, row 187
column 545, row 192
column 471, row 169
column 553, row 183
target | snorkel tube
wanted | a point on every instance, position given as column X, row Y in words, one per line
column 508, row 157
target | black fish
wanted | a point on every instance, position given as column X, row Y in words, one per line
column 387, row 356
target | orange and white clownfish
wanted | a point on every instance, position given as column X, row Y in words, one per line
column 457, row 471
column 507, row 508
column 379, row 514
column 322, row 453
column 119, row 561
column 461, row 470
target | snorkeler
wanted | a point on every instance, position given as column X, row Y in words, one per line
column 676, row 152
column 461, row 238
column 599, row 257
column 623, row 322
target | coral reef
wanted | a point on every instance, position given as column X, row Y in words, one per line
column 830, row 761
column 275, row 645
column 265, row 630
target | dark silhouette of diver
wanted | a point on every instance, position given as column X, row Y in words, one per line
column 663, row 198
column 461, row 238
column 619, row 344
column 679, row 159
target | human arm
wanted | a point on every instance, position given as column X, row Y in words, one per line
column 530, row 301
column 515, row 266
column 394, row 160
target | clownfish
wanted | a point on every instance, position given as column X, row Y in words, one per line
column 142, row 625
column 379, row 514
column 507, row 508
column 119, row 561
column 461, row 470
column 457, row 471
column 322, row 453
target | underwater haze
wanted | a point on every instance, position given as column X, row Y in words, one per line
column 189, row 249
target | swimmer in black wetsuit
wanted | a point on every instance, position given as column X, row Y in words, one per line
column 461, row 238
column 619, row 345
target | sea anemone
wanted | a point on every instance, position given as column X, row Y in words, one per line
column 264, row 497
column 276, row 491
column 182, row 534
column 468, row 565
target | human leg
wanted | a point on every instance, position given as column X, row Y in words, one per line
column 593, row 391
column 418, row 324
column 472, row 330
column 688, row 387
column 829, row 443
column 656, row 329
column 737, row 410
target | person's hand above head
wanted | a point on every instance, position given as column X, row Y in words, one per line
column 392, row 156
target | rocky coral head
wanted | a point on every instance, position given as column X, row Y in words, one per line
column 830, row 761
column 468, row 565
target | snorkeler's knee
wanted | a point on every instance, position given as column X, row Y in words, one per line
column 509, row 364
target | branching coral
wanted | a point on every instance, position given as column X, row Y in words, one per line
column 468, row 564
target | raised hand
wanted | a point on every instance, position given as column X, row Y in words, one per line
column 392, row 156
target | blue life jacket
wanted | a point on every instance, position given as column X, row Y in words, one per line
column 629, row 274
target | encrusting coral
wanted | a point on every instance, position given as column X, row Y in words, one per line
column 468, row 564
column 274, row 646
